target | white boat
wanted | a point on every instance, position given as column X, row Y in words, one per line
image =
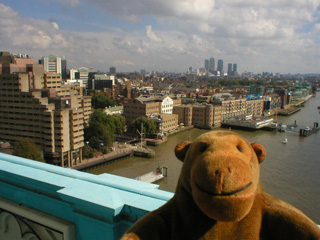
column 285, row 140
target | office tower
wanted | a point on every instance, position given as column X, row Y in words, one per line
column 235, row 68
column 230, row 72
column 220, row 65
column 206, row 64
column 113, row 71
column 54, row 64
column 211, row 65
column 35, row 105
column 190, row 69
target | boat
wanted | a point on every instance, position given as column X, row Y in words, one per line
column 144, row 152
column 282, row 128
column 154, row 176
column 285, row 140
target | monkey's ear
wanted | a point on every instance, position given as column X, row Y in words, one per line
column 181, row 150
column 260, row 151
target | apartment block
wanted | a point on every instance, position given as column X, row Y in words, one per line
column 255, row 107
column 230, row 106
column 165, row 122
column 200, row 115
column 184, row 113
column 33, row 105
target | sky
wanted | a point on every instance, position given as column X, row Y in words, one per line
column 166, row 35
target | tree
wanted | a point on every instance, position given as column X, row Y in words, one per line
column 101, row 101
column 27, row 149
column 148, row 126
column 119, row 122
column 101, row 130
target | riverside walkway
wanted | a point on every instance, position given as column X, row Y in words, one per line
column 118, row 153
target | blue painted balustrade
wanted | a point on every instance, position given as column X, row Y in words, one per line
column 95, row 206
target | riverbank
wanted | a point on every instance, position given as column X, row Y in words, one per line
column 119, row 152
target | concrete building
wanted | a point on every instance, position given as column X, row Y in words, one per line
column 255, row 106
column 113, row 71
column 136, row 108
column 100, row 81
column 220, row 66
column 230, row 106
column 184, row 113
column 272, row 104
column 206, row 64
column 147, row 106
column 33, row 106
column 212, row 65
column 165, row 122
column 200, row 115
column 54, row 64
column 80, row 76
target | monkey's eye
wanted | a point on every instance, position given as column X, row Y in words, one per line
column 203, row 147
column 240, row 148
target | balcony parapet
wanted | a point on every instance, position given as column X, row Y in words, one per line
column 101, row 205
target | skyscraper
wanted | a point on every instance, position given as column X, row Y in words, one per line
column 235, row 68
column 220, row 65
column 206, row 64
column 230, row 72
column 211, row 65
column 113, row 71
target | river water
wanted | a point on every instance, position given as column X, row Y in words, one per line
column 289, row 172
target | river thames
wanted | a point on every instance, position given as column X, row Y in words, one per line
column 289, row 172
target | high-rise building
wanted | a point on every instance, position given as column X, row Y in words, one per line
column 235, row 68
column 80, row 75
column 113, row 71
column 220, row 65
column 229, row 67
column 35, row 105
column 54, row 64
column 212, row 64
column 206, row 64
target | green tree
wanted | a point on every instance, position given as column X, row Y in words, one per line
column 27, row 149
column 101, row 101
column 119, row 122
column 148, row 126
column 101, row 130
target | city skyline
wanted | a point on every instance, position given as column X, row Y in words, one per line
column 170, row 36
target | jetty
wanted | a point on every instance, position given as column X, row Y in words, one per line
column 307, row 132
column 289, row 111
column 249, row 123
column 154, row 176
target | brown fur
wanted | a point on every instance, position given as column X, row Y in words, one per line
column 219, row 196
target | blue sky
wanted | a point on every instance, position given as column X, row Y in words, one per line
column 167, row 35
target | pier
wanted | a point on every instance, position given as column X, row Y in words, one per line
column 306, row 133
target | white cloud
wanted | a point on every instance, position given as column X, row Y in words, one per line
column 261, row 35
column 151, row 35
